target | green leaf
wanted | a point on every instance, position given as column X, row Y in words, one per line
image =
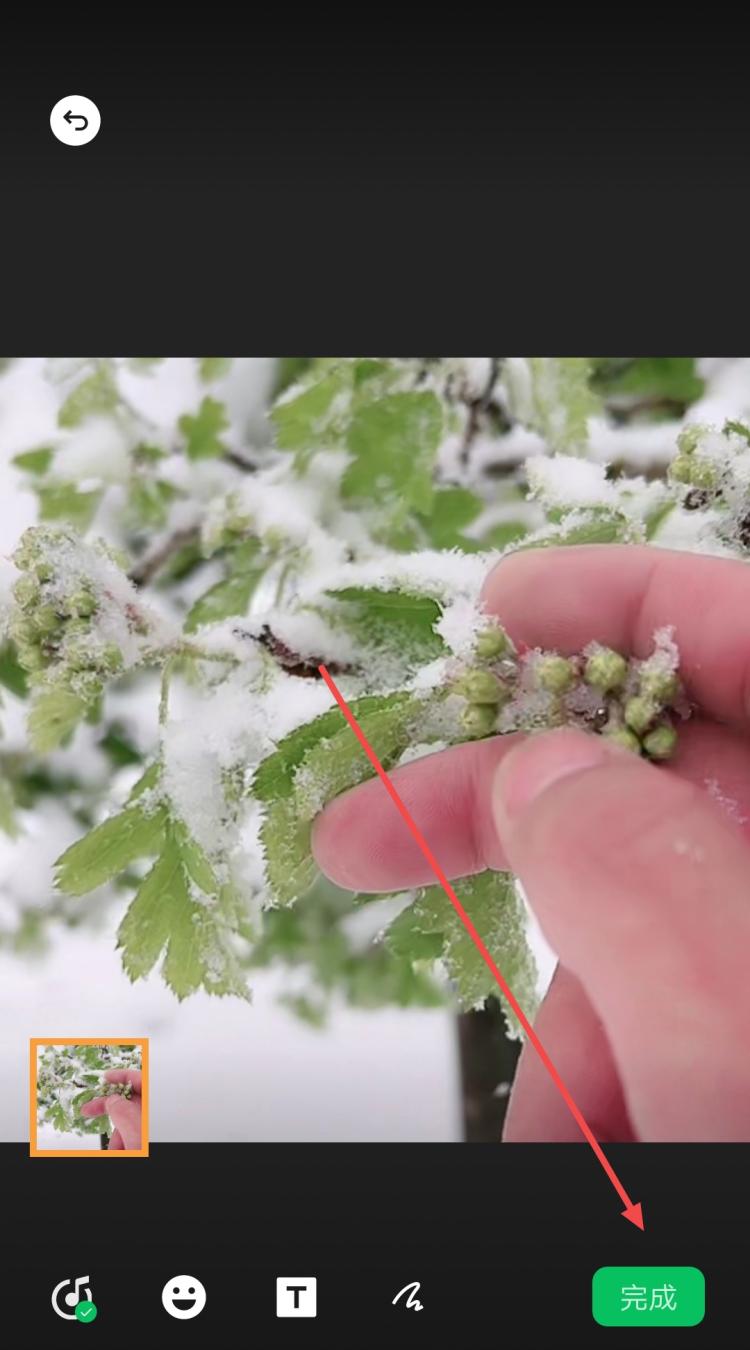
column 63, row 501
column 149, row 499
column 34, row 461
column 274, row 778
column 289, row 370
column 8, row 823
column 669, row 378
column 397, row 620
column 143, row 365
column 431, row 927
column 12, row 674
column 452, row 509
column 655, row 520
column 561, row 401
column 310, row 419
column 96, row 394
column 165, row 918
column 53, row 716
column 246, row 568
column 739, row 429
column 310, row 936
column 202, row 432
column 214, row 367
column 333, row 763
column 121, row 750
column 608, row 527
column 110, row 848
column 393, row 442
column 504, row 533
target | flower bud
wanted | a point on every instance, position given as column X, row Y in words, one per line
column 660, row 685
column 481, row 686
column 606, row 670
column 110, row 659
column 479, row 719
column 82, row 603
column 44, row 620
column 622, row 736
column 660, row 743
column 490, row 643
column 27, row 591
column 680, row 470
column 689, row 438
column 30, row 656
column 554, row 674
column 640, row 713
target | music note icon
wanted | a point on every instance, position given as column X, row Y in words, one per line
column 72, row 1298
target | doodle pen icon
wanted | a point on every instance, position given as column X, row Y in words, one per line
column 412, row 1301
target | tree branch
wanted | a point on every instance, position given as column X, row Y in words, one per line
column 144, row 571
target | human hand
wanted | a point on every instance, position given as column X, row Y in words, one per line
column 639, row 875
column 124, row 1112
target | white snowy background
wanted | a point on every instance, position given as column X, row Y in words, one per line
column 222, row 1070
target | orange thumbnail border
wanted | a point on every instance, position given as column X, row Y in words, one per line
column 34, row 1044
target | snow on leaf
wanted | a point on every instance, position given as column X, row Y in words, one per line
column 567, row 481
column 96, row 394
column 393, row 442
column 313, row 769
column 552, row 395
column 392, row 620
column 307, row 415
column 583, row 527
column 431, row 928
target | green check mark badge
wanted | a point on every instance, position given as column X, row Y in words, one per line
column 86, row 1310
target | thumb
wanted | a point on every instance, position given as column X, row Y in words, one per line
column 641, row 886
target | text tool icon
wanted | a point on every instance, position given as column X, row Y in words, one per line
column 296, row 1296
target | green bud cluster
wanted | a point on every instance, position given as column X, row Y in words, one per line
column 693, row 471
column 117, row 1090
column 632, row 698
column 53, row 625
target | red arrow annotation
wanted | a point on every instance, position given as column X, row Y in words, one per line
column 633, row 1213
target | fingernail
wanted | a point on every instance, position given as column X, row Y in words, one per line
column 541, row 761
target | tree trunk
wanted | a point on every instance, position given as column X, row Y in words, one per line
column 488, row 1064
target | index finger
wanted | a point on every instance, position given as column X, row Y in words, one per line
column 619, row 595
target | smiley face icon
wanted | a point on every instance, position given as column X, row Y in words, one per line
column 183, row 1297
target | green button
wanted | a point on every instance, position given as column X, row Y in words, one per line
column 648, row 1296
